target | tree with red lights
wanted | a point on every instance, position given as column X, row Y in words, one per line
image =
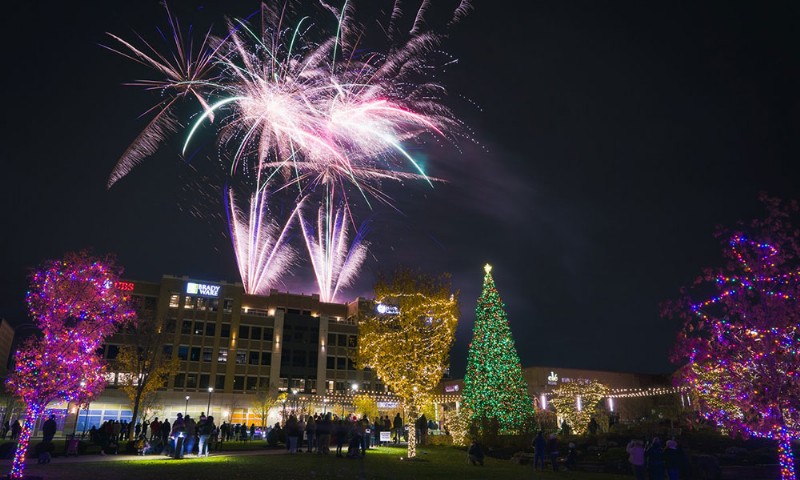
column 740, row 346
column 76, row 305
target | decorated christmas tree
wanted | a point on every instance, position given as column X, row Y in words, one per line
column 494, row 388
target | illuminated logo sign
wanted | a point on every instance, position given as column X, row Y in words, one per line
column 202, row 289
column 451, row 388
column 384, row 309
column 552, row 379
column 124, row 286
column 387, row 405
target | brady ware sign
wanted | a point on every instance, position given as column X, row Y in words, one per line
column 202, row 289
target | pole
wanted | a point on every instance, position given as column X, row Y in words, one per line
column 208, row 408
column 185, row 410
column 86, row 419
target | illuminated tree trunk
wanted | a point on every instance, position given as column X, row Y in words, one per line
column 785, row 456
column 412, row 431
column 18, row 466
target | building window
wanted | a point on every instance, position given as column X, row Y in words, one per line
column 244, row 332
column 183, row 352
column 330, row 385
column 252, row 384
column 167, row 351
column 238, row 382
column 174, row 300
column 194, row 354
column 201, row 303
column 213, row 305
column 204, row 380
column 312, row 359
column 299, row 358
column 113, row 351
column 169, row 326
column 219, row 382
column 340, row 386
column 266, row 358
column 191, row 380
column 187, row 304
column 341, row 363
column 331, row 339
column 267, row 334
column 186, row 327
column 350, row 364
column 241, row 357
column 299, row 384
column 210, row 328
column 254, row 356
column 180, row 379
column 351, row 341
column 341, row 340
column 283, row 384
column 255, row 333
column 207, row 354
column 227, row 305
column 263, row 382
column 223, row 355
column 225, row 332
column 331, row 363
column 286, row 357
column 311, row 385
column 198, row 328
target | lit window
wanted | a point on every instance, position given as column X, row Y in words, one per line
column 223, row 355
column 174, row 300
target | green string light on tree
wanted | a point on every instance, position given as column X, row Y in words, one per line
column 494, row 388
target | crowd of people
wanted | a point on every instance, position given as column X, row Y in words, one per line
column 651, row 460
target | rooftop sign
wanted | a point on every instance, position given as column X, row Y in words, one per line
column 202, row 289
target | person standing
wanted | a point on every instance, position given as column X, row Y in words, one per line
column 155, row 429
column 552, row 449
column 311, row 430
column 635, row 451
column 398, row 428
column 539, row 449
column 16, row 428
column 191, row 430
column 672, row 460
column 655, row 460
column 205, row 428
column 324, row 434
column 49, row 429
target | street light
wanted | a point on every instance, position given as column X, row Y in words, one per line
column 208, row 408
column 187, row 406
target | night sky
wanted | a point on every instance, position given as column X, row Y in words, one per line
column 612, row 138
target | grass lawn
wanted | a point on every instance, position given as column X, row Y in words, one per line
column 380, row 463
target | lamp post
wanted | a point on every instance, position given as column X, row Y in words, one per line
column 208, row 408
column 186, row 409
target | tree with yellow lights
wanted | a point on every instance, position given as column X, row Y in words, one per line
column 143, row 367
column 494, row 388
column 576, row 402
column 365, row 405
column 409, row 349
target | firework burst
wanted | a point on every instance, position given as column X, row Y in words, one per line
column 302, row 108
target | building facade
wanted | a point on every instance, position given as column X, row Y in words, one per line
column 231, row 347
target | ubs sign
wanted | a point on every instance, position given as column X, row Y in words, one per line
column 202, row 289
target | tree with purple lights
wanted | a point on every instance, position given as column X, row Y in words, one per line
column 739, row 346
column 76, row 305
